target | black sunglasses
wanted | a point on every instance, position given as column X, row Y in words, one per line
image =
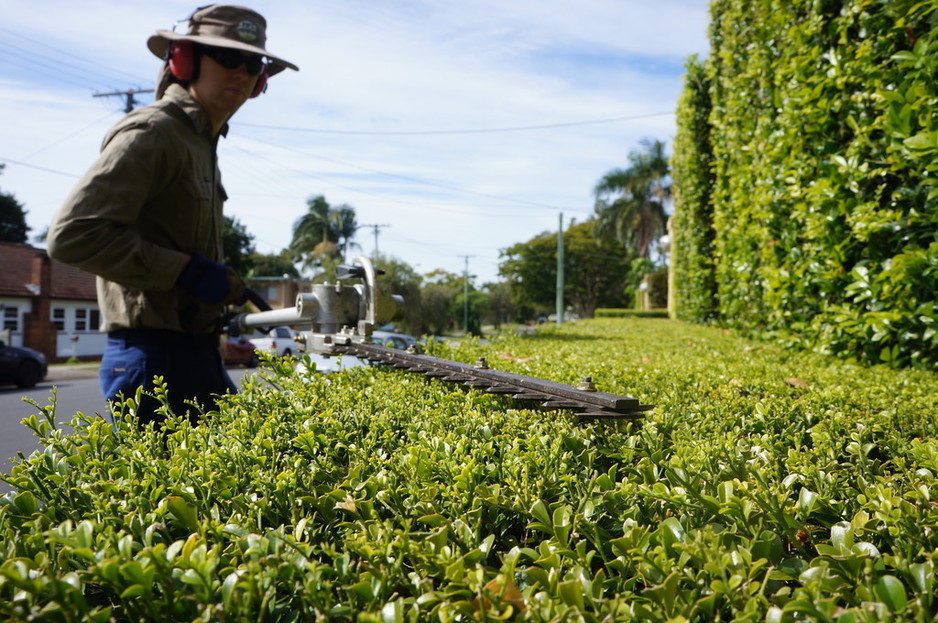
column 231, row 59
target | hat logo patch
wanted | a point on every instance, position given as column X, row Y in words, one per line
column 247, row 30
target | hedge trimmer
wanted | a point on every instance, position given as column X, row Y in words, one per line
column 339, row 319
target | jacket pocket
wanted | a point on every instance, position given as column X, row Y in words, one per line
column 197, row 215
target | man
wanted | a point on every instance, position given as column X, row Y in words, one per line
column 147, row 217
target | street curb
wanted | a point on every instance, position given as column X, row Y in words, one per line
column 70, row 371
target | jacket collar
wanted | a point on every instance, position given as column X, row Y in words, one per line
column 178, row 95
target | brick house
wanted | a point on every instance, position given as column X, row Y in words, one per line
column 48, row 306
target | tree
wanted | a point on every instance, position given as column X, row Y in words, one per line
column 318, row 233
column 501, row 307
column 435, row 300
column 13, row 227
column 399, row 278
column 345, row 225
column 478, row 307
column 530, row 269
column 310, row 230
column 237, row 246
column 273, row 265
column 437, row 296
column 594, row 270
column 630, row 202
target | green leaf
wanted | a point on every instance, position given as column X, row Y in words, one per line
column 806, row 500
column 923, row 142
column 185, row 512
column 192, row 577
column 540, row 513
column 891, row 592
column 132, row 591
column 26, row 503
column 923, row 576
column 672, row 532
column 571, row 593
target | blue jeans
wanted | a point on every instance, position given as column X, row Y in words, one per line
column 190, row 365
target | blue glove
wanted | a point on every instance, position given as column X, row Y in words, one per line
column 208, row 281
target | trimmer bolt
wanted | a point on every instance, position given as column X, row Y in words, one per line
column 586, row 385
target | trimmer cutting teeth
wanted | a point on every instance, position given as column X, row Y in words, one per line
column 340, row 319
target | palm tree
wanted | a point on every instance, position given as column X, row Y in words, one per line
column 310, row 230
column 630, row 202
column 344, row 225
column 323, row 232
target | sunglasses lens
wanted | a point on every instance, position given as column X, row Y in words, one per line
column 254, row 65
column 232, row 59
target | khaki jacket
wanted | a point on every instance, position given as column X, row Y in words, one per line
column 153, row 197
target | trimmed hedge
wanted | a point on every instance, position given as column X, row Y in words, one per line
column 630, row 313
column 692, row 261
column 764, row 486
column 824, row 140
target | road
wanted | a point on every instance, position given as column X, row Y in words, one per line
column 76, row 389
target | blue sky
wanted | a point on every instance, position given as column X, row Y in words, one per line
column 464, row 127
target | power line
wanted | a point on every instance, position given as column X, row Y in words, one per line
column 65, row 138
column 93, row 66
column 278, row 169
column 525, row 128
column 32, row 166
column 531, row 204
column 52, row 68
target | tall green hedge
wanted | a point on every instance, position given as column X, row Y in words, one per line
column 824, row 143
column 692, row 172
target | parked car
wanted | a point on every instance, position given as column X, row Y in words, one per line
column 394, row 340
column 332, row 363
column 239, row 351
column 23, row 366
column 278, row 341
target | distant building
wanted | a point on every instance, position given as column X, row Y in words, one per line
column 279, row 292
column 47, row 305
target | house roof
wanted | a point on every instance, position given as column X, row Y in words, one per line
column 69, row 282
column 16, row 275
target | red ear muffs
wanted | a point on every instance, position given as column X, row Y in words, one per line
column 261, row 84
column 182, row 60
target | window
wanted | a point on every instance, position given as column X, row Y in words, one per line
column 11, row 318
column 81, row 319
column 87, row 319
column 58, row 318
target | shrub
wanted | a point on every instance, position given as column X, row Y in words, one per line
column 633, row 313
column 818, row 157
column 764, row 485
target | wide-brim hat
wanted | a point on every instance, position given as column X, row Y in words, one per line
column 224, row 26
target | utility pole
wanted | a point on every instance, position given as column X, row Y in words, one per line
column 129, row 94
column 560, row 275
column 375, row 227
column 465, row 296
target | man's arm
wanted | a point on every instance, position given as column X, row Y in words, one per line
column 95, row 228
